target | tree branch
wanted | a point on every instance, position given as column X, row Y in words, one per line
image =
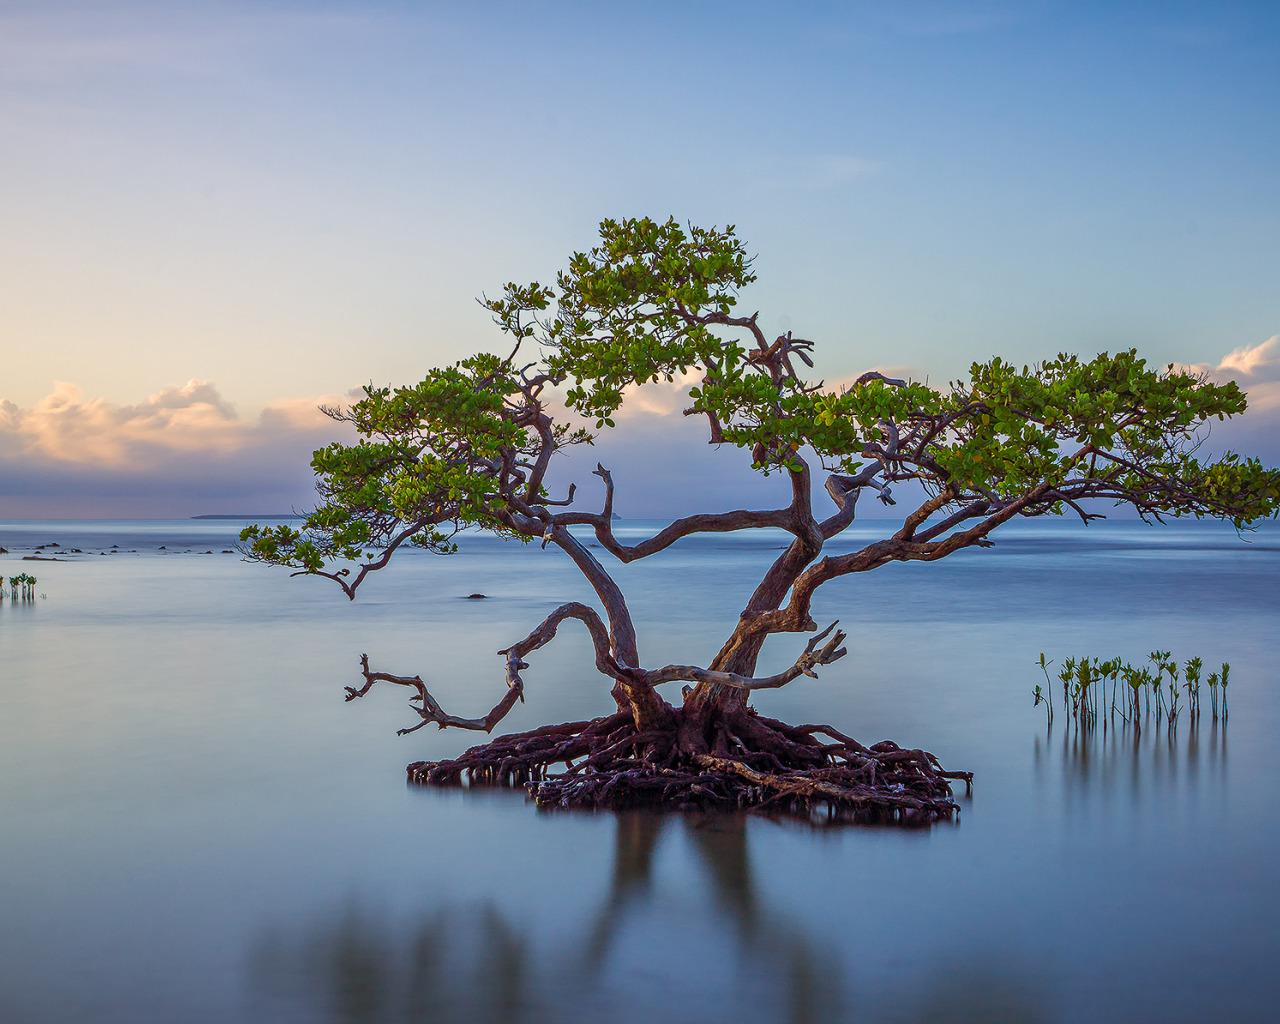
column 871, row 375
column 812, row 656
column 795, row 617
column 720, row 522
column 339, row 576
column 971, row 511
column 431, row 711
column 545, row 632
column 844, row 491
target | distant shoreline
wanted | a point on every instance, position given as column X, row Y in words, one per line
column 286, row 515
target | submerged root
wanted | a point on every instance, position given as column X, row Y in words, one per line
column 739, row 761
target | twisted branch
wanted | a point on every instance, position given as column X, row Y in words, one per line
column 545, row 633
column 717, row 522
column 431, row 711
column 811, row 657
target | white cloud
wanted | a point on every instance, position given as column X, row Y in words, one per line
column 66, row 427
column 1247, row 365
column 1261, row 361
column 182, row 451
column 663, row 398
column 1256, row 369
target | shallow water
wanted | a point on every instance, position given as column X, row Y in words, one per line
column 198, row 828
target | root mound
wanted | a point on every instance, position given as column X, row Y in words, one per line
column 741, row 761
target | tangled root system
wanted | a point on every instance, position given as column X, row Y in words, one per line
column 740, row 761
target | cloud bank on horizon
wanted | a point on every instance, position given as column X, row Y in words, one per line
column 185, row 450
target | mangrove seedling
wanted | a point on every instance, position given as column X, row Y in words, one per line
column 1042, row 698
column 1191, row 671
column 1043, row 695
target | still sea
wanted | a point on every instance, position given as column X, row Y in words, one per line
column 194, row 826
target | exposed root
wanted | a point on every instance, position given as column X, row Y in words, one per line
column 739, row 761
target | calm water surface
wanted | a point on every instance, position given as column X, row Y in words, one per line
column 195, row 827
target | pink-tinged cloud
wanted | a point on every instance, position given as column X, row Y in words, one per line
column 65, row 427
column 183, row 451
column 186, row 451
column 1254, row 361
column 1256, row 369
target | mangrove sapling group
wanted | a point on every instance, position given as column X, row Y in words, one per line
column 470, row 446
column 21, row 587
column 1136, row 692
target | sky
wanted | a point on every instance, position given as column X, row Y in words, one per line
column 218, row 215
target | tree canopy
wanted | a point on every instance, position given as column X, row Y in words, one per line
column 469, row 447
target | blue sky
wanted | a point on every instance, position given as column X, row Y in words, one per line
column 218, row 214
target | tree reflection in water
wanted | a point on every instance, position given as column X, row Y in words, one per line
column 468, row 963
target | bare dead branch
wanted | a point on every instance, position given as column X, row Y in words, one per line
column 721, row 522
column 871, row 375
column 777, row 357
column 804, row 665
column 844, row 491
column 567, row 500
column 431, row 710
column 546, row 631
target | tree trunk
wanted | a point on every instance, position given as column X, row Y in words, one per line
column 739, row 655
column 648, row 710
column 742, row 649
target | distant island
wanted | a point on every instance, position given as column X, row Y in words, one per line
column 286, row 515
